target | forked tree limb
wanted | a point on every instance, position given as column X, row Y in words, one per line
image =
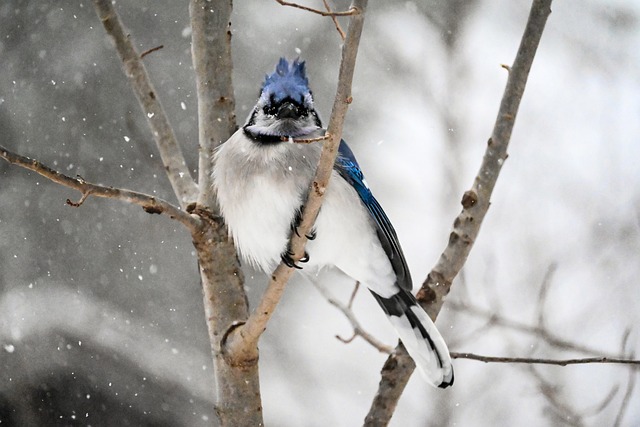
column 183, row 185
column 475, row 202
column 243, row 341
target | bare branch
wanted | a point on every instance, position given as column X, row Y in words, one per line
column 311, row 140
column 349, row 12
column 81, row 201
column 475, row 203
column 563, row 411
column 335, row 20
column 211, row 52
column 545, row 334
column 635, row 364
column 148, row 51
column 243, row 343
column 150, row 204
column 358, row 330
column 353, row 295
column 170, row 152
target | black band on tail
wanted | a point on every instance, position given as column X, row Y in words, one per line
column 400, row 305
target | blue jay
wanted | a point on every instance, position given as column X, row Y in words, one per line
column 262, row 178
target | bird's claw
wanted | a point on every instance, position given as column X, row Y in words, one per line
column 310, row 236
column 296, row 223
column 287, row 259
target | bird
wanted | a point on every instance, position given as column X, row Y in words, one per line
column 261, row 179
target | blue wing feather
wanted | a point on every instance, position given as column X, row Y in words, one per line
column 349, row 169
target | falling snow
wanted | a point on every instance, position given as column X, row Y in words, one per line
column 101, row 304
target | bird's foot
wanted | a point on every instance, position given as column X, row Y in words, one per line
column 296, row 223
column 287, row 258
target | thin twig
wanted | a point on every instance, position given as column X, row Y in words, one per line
column 334, row 18
column 153, row 49
column 551, row 339
column 546, row 335
column 183, row 185
column 634, row 363
column 242, row 344
column 352, row 298
column 149, row 203
column 466, row 226
column 324, row 137
column 352, row 11
column 84, row 197
column 358, row 330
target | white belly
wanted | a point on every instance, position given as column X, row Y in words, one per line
column 259, row 200
column 260, row 221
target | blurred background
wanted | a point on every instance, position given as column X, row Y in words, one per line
column 101, row 318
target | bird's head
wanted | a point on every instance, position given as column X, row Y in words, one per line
column 285, row 107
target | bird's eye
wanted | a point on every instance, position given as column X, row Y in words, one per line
column 270, row 110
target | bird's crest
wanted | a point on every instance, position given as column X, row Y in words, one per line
column 289, row 80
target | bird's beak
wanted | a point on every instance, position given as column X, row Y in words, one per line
column 287, row 110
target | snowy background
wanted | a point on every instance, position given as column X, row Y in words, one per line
column 101, row 319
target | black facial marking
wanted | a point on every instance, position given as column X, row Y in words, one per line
column 316, row 118
column 272, row 107
column 261, row 138
column 252, row 119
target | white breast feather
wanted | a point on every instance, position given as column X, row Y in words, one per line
column 259, row 190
